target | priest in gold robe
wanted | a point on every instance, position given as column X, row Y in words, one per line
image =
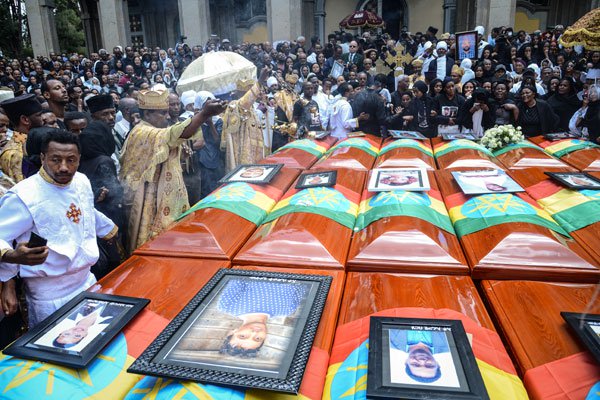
column 243, row 139
column 154, row 190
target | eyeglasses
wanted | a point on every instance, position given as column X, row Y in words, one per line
column 352, row 46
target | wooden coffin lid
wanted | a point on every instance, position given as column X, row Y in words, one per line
column 528, row 157
column 169, row 283
column 349, row 157
column 302, row 239
column 520, row 250
column 328, row 323
column 367, row 293
column 210, row 232
column 583, row 160
column 408, row 245
column 464, row 159
column 296, row 158
column 528, row 314
column 405, row 157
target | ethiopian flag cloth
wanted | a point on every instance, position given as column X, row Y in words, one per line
column 424, row 148
column 444, row 148
column 348, row 365
column 570, row 208
column 475, row 213
column 365, row 144
column 574, row 377
column 338, row 203
column 151, row 388
column 592, row 194
column 251, row 202
column 310, row 146
column 105, row 378
column 559, row 148
column 427, row 206
column 515, row 146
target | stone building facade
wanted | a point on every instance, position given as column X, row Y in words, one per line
column 108, row 23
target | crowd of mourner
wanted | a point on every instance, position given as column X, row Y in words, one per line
column 100, row 153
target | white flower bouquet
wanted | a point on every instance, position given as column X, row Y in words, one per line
column 499, row 136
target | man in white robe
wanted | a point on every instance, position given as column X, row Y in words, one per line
column 342, row 120
column 57, row 203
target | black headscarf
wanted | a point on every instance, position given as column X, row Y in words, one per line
column 96, row 140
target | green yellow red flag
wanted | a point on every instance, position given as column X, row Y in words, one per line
column 423, row 147
column 570, row 208
column 310, row 146
column 427, row 206
column 471, row 214
column 444, row 148
column 366, row 144
column 249, row 201
column 560, row 148
column 514, row 146
column 337, row 203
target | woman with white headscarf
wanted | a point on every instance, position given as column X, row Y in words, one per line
column 468, row 74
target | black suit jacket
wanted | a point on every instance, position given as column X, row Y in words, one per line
column 358, row 59
column 432, row 71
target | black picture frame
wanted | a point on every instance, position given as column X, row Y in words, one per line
column 38, row 343
column 560, row 136
column 462, row 38
column 268, row 172
column 454, row 136
column 575, row 180
column 192, row 347
column 397, row 134
column 456, row 374
column 587, row 328
column 326, row 179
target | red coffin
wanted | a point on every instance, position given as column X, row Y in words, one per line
column 405, row 157
column 349, row 157
column 464, row 159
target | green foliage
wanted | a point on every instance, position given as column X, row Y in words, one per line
column 11, row 24
column 69, row 29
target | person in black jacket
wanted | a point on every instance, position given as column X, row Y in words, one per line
column 370, row 102
column 591, row 119
column 97, row 146
column 564, row 103
column 477, row 113
column 421, row 112
column 447, row 104
column 535, row 116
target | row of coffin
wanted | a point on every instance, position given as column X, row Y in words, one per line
column 442, row 232
column 396, row 266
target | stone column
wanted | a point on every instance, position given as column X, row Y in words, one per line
column 495, row 13
column 449, row 16
column 194, row 18
column 113, row 25
column 42, row 28
column 320, row 21
column 284, row 19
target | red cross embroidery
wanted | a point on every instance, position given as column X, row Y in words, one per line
column 74, row 213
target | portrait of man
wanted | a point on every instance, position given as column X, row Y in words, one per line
column 421, row 357
column 467, row 45
column 408, row 179
column 82, row 325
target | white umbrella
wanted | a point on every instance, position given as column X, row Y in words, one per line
column 216, row 72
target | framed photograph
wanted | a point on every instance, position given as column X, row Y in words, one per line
column 337, row 70
column 421, row 359
column 406, row 135
column 317, row 179
column 410, row 179
column 252, row 173
column 466, row 45
column 575, row 180
column 244, row 328
column 587, row 327
column 488, row 181
column 458, row 135
column 560, row 136
column 74, row 334
column 356, row 134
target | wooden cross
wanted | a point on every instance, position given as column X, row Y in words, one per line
column 74, row 213
column 401, row 59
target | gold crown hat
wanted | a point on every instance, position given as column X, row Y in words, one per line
column 291, row 78
column 155, row 99
column 417, row 63
column 243, row 85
